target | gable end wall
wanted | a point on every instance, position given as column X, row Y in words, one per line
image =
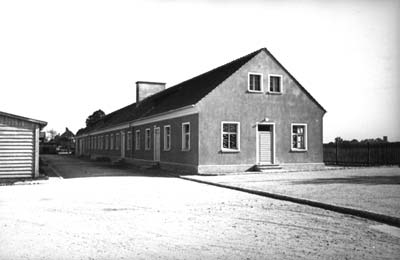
column 232, row 102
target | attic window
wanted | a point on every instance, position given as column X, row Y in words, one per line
column 255, row 82
column 275, row 83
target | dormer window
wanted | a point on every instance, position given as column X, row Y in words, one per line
column 255, row 82
column 275, row 83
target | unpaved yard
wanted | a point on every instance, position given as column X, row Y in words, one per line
column 375, row 189
column 143, row 217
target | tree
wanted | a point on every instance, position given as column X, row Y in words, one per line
column 97, row 115
column 51, row 134
column 338, row 140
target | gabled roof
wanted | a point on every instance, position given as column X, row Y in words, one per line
column 181, row 95
column 184, row 94
column 295, row 80
column 67, row 133
column 35, row 121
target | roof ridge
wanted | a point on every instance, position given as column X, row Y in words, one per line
column 185, row 93
column 181, row 84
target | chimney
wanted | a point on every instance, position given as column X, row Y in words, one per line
column 145, row 89
column 385, row 138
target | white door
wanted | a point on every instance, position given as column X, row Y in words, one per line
column 157, row 144
column 265, row 144
column 123, row 144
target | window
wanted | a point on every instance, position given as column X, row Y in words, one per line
column 186, row 136
column 275, row 83
column 299, row 137
column 137, row 140
column 112, row 142
column 106, row 143
column 117, row 141
column 167, row 138
column 147, row 139
column 255, row 82
column 129, row 141
column 230, row 136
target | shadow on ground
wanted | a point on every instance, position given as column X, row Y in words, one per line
column 365, row 180
column 70, row 167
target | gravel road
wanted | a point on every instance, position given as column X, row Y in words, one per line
column 143, row 217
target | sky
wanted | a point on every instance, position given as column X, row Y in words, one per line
column 62, row 60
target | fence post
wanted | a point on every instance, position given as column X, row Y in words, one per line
column 369, row 160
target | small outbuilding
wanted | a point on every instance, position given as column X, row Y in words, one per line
column 19, row 146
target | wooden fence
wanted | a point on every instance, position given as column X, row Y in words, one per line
column 362, row 153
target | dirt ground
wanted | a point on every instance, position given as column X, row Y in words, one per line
column 143, row 217
column 375, row 189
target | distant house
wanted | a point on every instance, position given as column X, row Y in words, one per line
column 66, row 140
column 248, row 113
column 19, row 146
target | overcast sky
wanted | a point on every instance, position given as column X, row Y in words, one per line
column 62, row 60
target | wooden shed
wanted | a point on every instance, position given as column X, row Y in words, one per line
column 19, row 146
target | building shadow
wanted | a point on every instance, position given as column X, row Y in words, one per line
column 68, row 167
column 364, row 180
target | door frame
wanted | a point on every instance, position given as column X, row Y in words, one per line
column 273, row 141
column 159, row 144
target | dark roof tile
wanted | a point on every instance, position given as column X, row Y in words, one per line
column 183, row 94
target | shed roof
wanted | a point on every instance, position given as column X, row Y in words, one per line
column 35, row 121
column 186, row 93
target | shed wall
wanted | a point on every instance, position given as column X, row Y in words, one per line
column 18, row 148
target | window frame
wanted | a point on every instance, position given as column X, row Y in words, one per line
column 117, row 141
column 137, row 140
column 167, row 146
column 261, row 82
column 106, row 142
column 184, row 135
column 111, row 141
column 305, row 138
column 229, row 150
column 147, row 139
column 129, row 141
column 280, row 86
